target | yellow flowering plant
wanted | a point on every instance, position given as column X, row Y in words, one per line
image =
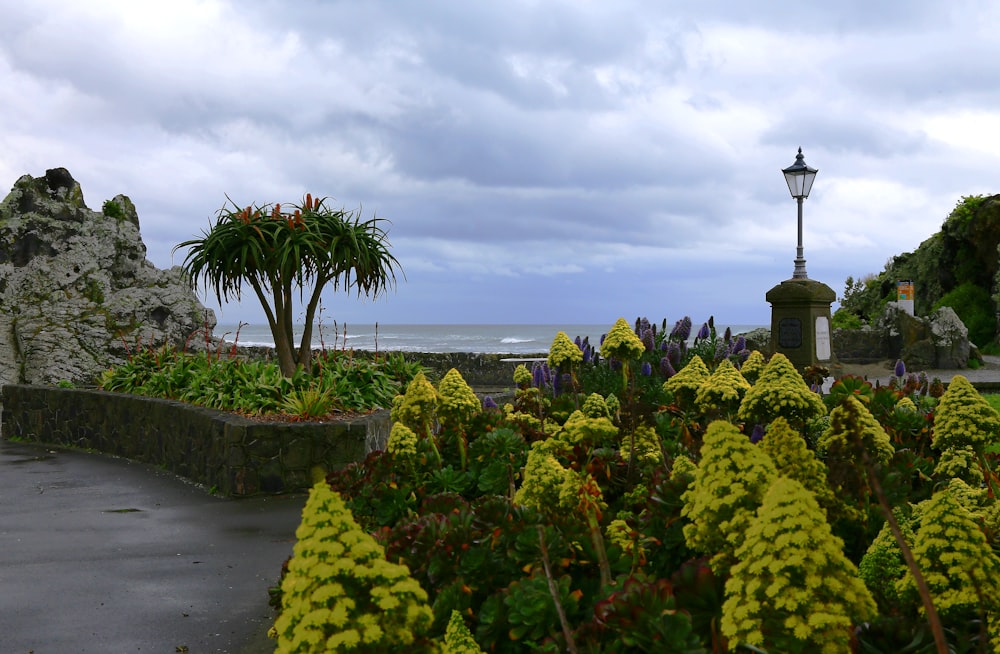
column 792, row 589
column 781, row 391
column 730, row 482
column 720, row 395
column 340, row 594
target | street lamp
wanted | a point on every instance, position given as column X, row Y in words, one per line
column 800, row 179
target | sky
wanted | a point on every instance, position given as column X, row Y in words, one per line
column 538, row 162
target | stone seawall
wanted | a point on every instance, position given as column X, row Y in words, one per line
column 227, row 453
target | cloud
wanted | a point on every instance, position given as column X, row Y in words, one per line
column 537, row 161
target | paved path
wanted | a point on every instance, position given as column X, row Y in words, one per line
column 989, row 373
column 99, row 554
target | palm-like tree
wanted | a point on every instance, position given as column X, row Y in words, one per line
column 279, row 253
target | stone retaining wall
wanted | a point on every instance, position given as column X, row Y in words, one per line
column 860, row 346
column 230, row 454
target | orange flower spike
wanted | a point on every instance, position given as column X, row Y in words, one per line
column 309, row 201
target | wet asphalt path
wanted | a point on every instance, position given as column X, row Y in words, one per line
column 99, row 554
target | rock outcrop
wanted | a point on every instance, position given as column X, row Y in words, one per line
column 940, row 341
column 76, row 289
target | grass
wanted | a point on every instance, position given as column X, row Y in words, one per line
column 993, row 399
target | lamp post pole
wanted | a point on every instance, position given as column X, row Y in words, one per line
column 800, row 262
column 799, row 178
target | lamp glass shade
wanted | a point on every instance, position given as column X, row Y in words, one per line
column 799, row 177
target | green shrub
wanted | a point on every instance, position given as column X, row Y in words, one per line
column 975, row 307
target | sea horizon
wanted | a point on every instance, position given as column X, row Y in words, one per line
column 484, row 338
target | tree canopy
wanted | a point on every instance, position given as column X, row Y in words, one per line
column 281, row 254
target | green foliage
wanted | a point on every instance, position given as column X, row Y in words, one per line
column 255, row 387
column 643, row 617
column 112, row 209
column 863, row 301
column 883, row 566
column 974, row 306
column 793, row 590
column 308, row 403
column 340, row 594
column 845, row 319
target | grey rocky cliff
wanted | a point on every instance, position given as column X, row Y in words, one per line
column 76, row 289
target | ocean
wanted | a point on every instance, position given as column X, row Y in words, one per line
column 481, row 339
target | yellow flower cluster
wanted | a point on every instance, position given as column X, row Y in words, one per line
column 595, row 406
column 621, row 535
column 646, row 443
column 685, row 384
column 402, row 440
column 543, row 477
column 563, row 352
column 961, row 463
column 457, row 403
column 958, row 564
column 457, row 638
column 621, row 342
column 793, row 459
column 593, row 432
column 964, row 417
column 728, row 486
column 793, row 589
column 522, row 376
column 418, row 407
column 723, row 391
column 340, row 594
column 852, row 425
column 753, row 366
column 781, row 391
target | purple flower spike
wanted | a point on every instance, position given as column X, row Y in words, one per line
column 647, row 369
column 587, row 354
column 703, row 333
column 900, row 368
column 681, row 330
column 740, row 345
column 674, row 354
column 579, row 342
column 537, row 375
column 757, row 435
column 489, row 403
column 666, row 369
column 664, row 345
column 648, row 340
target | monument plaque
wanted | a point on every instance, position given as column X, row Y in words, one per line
column 790, row 332
column 822, row 338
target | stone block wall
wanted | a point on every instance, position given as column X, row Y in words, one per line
column 860, row 346
column 233, row 455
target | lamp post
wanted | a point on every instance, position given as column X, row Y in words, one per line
column 799, row 178
column 800, row 307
